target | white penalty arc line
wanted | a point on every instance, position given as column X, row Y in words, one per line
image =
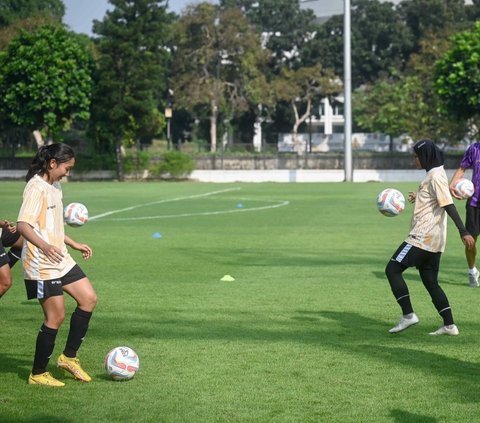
column 137, row 206
column 210, row 213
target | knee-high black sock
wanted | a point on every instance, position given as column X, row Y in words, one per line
column 398, row 286
column 14, row 255
column 44, row 349
column 78, row 329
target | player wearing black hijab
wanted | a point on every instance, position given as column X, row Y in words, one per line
column 426, row 240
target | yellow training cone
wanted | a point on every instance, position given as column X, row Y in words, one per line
column 227, row 278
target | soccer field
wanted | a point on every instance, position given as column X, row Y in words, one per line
column 301, row 335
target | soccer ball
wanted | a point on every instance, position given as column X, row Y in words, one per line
column 75, row 214
column 390, row 202
column 464, row 188
column 122, row 363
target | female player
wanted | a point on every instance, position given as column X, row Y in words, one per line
column 426, row 240
column 49, row 270
column 9, row 237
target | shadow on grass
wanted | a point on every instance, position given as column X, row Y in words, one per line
column 401, row 416
column 347, row 331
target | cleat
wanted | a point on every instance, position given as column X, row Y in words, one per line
column 72, row 365
column 44, row 379
column 405, row 322
column 473, row 278
column 446, row 330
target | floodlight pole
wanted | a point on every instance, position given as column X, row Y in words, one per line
column 347, row 113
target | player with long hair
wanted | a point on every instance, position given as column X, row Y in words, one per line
column 49, row 270
column 426, row 240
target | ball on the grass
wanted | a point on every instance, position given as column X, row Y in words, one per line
column 75, row 214
column 121, row 363
column 390, row 202
column 464, row 188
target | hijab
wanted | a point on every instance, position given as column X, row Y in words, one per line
column 429, row 154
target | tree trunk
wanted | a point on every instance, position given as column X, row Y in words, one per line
column 38, row 138
column 213, row 127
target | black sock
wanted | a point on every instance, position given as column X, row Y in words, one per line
column 78, row 329
column 44, row 349
column 14, row 255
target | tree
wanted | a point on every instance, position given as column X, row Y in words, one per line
column 131, row 76
column 15, row 10
column 216, row 62
column 380, row 42
column 285, row 28
column 457, row 76
column 300, row 87
column 45, row 80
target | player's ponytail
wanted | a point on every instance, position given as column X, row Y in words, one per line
column 40, row 164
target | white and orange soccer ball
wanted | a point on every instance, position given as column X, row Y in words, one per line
column 75, row 214
column 390, row 202
column 464, row 188
column 121, row 363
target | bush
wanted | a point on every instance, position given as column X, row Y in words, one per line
column 174, row 164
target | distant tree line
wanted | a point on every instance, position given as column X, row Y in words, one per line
column 220, row 68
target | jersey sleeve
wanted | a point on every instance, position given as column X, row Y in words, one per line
column 468, row 159
column 32, row 205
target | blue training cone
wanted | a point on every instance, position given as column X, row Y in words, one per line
column 156, row 235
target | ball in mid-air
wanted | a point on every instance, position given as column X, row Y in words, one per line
column 464, row 188
column 121, row 363
column 390, row 202
column 75, row 214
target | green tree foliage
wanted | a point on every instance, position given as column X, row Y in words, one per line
column 217, row 64
column 380, row 42
column 286, row 28
column 15, row 10
column 131, row 74
column 405, row 103
column 45, row 80
column 424, row 17
column 457, row 76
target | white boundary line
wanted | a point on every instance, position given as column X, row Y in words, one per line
column 100, row 216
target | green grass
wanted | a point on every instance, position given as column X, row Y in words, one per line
column 301, row 335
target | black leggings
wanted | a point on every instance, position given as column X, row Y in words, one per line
column 429, row 275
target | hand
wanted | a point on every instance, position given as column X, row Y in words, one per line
column 454, row 193
column 412, row 196
column 84, row 249
column 9, row 226
column 54, row 254
column 469, row 241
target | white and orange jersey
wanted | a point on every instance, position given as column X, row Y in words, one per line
column 428, row 228
column 42, row 209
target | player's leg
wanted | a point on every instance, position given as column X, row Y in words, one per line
column 15, row 252
column 5, row 274
column 429, row 276
column 54, row 312
column 472, row 224
column 77, row 285
column 399, row 262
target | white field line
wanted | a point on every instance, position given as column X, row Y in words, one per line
column 137, row 206
column 210, row 213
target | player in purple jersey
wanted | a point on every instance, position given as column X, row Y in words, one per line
column 471, row 160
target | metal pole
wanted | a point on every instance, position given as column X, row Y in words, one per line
column 347, row 92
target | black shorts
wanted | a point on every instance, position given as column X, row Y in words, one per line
column 53, row 287
column 472, row 223
column 7, row 239
column 411, row 256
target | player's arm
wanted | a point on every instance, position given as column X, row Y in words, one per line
column 83, row 248
column 466, row 237
column 53, row 253
column 456, row 176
